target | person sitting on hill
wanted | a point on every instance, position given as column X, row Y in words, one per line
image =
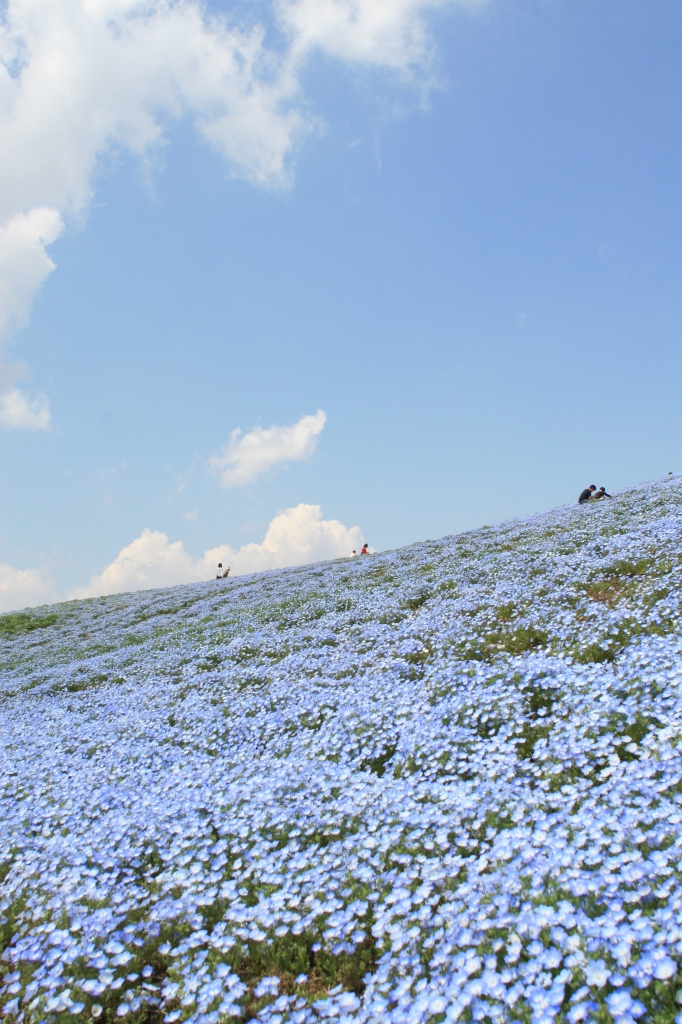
column 220, row 575
column 353, row 553
column 601, row 493
column 586, row 494
column 365, row 549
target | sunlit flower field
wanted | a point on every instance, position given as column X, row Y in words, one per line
column 437, row 784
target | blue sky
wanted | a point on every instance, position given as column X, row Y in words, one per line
column 464, row 250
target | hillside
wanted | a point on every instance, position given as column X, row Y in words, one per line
column 439, row 783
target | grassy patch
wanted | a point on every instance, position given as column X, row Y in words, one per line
column 18, row 623
column 378, row 764
column 627, row 569
column 608, row 591
column 416, row 601
column 660, row 1001
column 532, row 733
column 634, row 733
column 538, row 703
column 611, row 646
column 292, row 956
column 491, row 645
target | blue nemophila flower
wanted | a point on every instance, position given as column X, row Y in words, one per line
column 664, row 968
column 621, row 1005
column 596, row 973
column 454, row 767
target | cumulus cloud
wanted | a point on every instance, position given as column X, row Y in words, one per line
column 150, row 561
column 24, row 588
column 79, row 78
column 294, row 537
column 247, row 457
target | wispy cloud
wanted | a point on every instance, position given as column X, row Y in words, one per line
column 249, row 456
column 24, row 265
column 19, row 411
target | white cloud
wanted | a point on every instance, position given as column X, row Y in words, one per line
column 24, row 263
column 248, row 457
column 16, row 410
column 294, row 537
column 23, row 588
column 92, row 74
column 191, row 516
column 149, row 562
column 385, row 33
column 79, row 78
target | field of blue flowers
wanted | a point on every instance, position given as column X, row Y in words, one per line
column 442, row 783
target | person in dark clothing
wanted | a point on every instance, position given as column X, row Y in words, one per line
column 586, row 494
column 601, row 493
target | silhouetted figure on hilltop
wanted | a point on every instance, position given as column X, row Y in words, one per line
column 586, row 494
column 601, row 493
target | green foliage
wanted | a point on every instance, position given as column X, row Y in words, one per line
column 378, row 764
column 538, row 702
column 660, row 999
column 526, row 638
column 293, row 955
column 626, row 568
column 25, row 622
column 618, row 639
column 491, row 645
column 609, row 591
column 8, row 920
column 632, row 732
column 530, row 736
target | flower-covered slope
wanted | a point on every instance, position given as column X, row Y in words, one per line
column 440, row 783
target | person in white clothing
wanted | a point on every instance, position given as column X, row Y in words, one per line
column 220, row 575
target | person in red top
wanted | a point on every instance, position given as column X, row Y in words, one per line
column 365, row 549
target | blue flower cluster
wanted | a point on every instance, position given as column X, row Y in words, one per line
column 436, row 784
